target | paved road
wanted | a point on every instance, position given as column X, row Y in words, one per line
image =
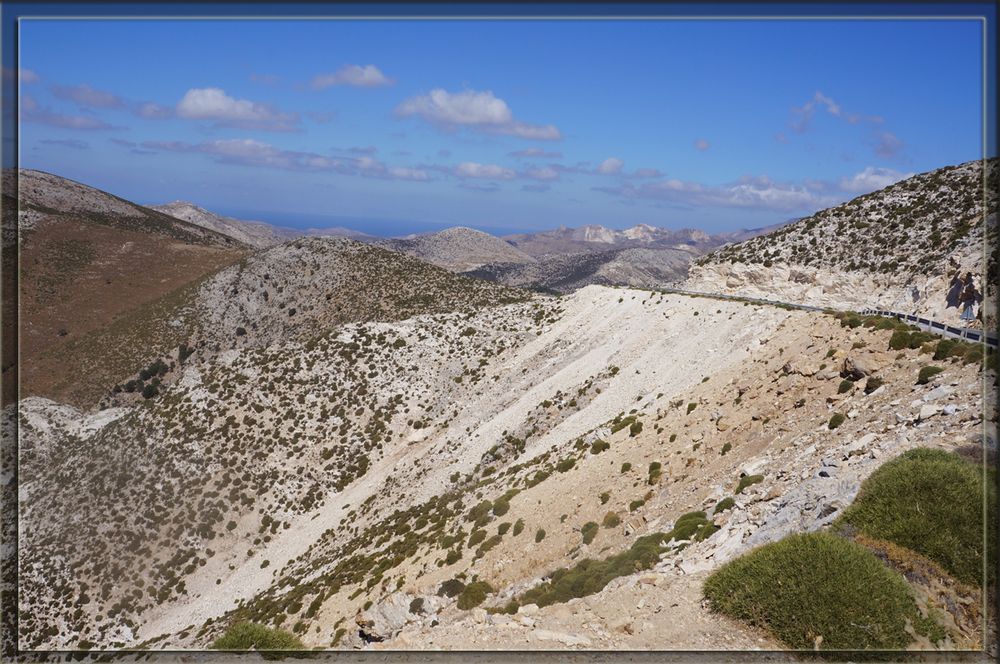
column 937, row 327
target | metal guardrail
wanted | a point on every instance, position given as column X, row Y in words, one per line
column 965, row 333
column 938, row 327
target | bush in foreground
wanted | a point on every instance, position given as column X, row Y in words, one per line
column 473, row 595
column 247, row 635
column 931, row 502
column 818, row 585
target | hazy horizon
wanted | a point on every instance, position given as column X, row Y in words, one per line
column 716, row 125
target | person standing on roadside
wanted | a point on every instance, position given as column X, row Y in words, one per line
column 967, row 299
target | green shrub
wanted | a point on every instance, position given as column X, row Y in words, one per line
column 726, row 448
column 476, row 537
column 518, row 527
column 605, row 497
column 611, row 520
column 450, row 588
column 688, row 526
column 565, row 465
column 655, row 471
column 503, row 528
column 872, row 384
column 835, row 421
column 746, row 481
column 845, row 386
column 723, row 505
column 626, row 467
column 931, row 502
column 539, row 535
column 591, row 576
column 247, row 635
column 691, row 407
column 926, row 373
column 589, row 531
column 636, row 504
column 944, row 349
column 474, row 594
column 817, row 584
column 635, row 429
column 479, row 511
column 501, row 507
column 912, row 339
column 599, row 446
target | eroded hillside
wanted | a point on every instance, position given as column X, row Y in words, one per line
column 362, row 486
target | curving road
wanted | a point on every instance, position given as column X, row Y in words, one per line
column 937, row 327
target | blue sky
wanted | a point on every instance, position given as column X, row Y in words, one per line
column 400, row 126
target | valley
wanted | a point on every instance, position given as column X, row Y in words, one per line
column 461, row 442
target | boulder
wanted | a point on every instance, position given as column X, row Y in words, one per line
column 937, row 393
column 855, row 368
column 928, row 411
column 387, row 618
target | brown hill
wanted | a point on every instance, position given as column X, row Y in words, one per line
column 88, row 260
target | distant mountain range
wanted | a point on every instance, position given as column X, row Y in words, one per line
column 559, row 260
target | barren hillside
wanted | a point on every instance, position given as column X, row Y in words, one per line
column 90, row 260
column 251, row 233
column 563, row 273
column 898, row 247
column 458, row 249
column 343, row 487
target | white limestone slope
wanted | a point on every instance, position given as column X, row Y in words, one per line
column 658, row 342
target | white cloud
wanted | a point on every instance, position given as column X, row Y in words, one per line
column 757, row 192
column 871, row 179
column 153, row 111
column 251, row 152
column 367, row 76
column 701, row 144
column 481, row 111
column 32, row 111
column 471, row 169
column 84, row 95
column 28, row 76
column 887, row 144
column 544, row 173
column 647, row 173
column 804, row 113
column 610, row 166
column 215, row 104
column 535, row 152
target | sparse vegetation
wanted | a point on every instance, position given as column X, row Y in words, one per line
column 747, row 480
column 818, row 585
column 473, row 595
column 926, row 373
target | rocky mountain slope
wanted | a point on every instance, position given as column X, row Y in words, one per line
column 898, row 247
column 90, row 260
column 291, row 292
column 380, row 483
column 459, row 249
column 251, row 233
column 637, row 267
column 595, row 238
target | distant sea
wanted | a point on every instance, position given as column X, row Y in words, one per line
column 368, row 225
